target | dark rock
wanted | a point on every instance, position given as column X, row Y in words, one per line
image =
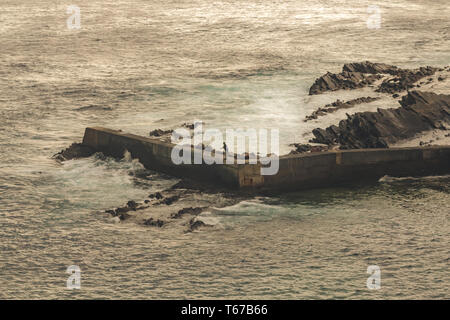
column 190, row 126
column 370, row 67
column 362, row 74
column 195, row 224
column 419, row 111
column 441, row 78
column 300, row 148
column 111, row 212
column 131, row 204
column 395, row 95
column 343, row 80
column 155, row 223
column 160, row 132
column 121, row 210
column 405, row 79
column 338, row 104
column 124, row 216
column 75, row 151
column 189, row 210
column 156, row 195
column 304, row 148
column 169, row 200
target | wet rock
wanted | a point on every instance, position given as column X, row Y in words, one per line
column 419, row 111
column 306, row 148
column 441, row 78
column 343, row 80
column 405, row 79
column 190, row 126
column 124, row 216
column 338, row 104
column 160, row 133
column 166, row 200
column 190, row 210
column 370, row 67
column 155, row 223
column 111, row 212
column 169, row 200
column 75, row 151
column 132, row 204
column 156, row 195
column 195, row 224
column 121, row 210
column 362, row 74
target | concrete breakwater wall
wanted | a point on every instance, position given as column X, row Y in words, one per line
column 295, row 172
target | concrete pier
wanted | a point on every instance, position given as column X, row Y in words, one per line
column 304, row 171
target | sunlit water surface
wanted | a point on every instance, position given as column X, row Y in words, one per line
column 141, row 65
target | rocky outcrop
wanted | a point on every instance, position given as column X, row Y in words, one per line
column 178, row 207
column 195, row 224
column 190, row 210
column 344, row 80
column 370, row 67
column 160, row 133
column 156, row 195
column 154, row 222
column 75, row 151
column 419, row 111
column 306, row 148
column 362, row 74
column 405, row 79
column 122, row 212
column 168, row 201
column 338, row 104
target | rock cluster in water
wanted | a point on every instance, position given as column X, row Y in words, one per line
column 363, row 74
column 337, row 105
column 405, row 79
column 308, row 148
column 344, row 80
column 419, row 112
column 76, row 150
column 177, row 207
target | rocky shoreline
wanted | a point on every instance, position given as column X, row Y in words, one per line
column 419, row 111
column 337, row 105
column 363, row 74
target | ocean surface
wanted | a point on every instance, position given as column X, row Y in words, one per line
column 140, row 65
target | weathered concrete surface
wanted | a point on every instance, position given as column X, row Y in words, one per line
column 321, row 169
column 156, row 155
column 324, row 169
